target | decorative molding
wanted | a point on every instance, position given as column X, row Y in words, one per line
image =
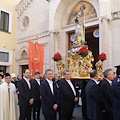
column 22, row 6
column 102, row 18
column 25, row 22
column 33, row 37
column 116, row 15
column 22, row 61
column 48, row 0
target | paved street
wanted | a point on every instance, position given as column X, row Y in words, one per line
column 77, row 114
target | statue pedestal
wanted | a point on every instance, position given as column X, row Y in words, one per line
column 81, row 78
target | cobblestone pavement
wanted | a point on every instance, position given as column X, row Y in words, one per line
column 77, row 114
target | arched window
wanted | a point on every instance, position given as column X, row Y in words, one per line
column 90, row 12
column 24, row 55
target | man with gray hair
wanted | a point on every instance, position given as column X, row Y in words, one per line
column 107, row 93
column 49, row 96
column 68, row 96
column 95, row 103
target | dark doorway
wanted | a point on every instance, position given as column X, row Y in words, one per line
column 23, row 68
column 92, row 42
column 3, row 68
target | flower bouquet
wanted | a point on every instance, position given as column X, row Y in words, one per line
column 57, row 57
column 102, row 57
column 83, row 51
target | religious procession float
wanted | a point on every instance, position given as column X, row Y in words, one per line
column 80, row 58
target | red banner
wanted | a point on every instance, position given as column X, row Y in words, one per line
column 36, row 57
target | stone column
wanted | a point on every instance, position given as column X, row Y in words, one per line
column 52, row 51
column 56, row 49
column 104, row 40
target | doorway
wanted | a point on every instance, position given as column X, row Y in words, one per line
column 23, row 68
column 3, row 68
column 92, row 42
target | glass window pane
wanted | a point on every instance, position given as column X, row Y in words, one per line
column 1, row 21
column 4, row 21
column 4, row 57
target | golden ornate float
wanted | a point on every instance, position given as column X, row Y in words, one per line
column 80, row 65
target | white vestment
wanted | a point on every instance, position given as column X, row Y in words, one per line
column 8, row 102
column 0, row 104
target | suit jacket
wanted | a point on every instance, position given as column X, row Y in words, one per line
column 48, row 99
column 94, row 100
column 15, row 83
column 67, row 95
column 107, row 95
column 25, row 94
column 116, row 98
column 36, row 93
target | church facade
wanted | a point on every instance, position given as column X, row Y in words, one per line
column 52, row 23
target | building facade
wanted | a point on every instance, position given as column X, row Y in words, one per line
column 8, row 35
column 52, row 23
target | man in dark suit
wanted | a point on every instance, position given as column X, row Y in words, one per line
column 116, row 95
column 95, row 104
column 83, row 84
column 25, row 96
column 49, row 96
column 68, row 96
column 36, row 96
column 107, row 93
column 77, row 88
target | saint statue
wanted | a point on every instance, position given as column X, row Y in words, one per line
column 79, row 27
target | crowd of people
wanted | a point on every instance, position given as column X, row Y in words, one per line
column 51, row 95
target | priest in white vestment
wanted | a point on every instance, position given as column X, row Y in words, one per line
column 1, row 77
column 8, row 100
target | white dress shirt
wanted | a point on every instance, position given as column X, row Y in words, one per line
column 27, row 80
column 97, row 82
column 38, row 81
column 72, row 87
column 51, row 85
column 110, row 82
column 3, row 80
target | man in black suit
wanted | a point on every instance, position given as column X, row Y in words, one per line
column 107, row 93
column 77, row 88
column 36, row 96
column 25, row 96
column 83, row 84
column 49, row 96
column 95, row 104
column 68, row 96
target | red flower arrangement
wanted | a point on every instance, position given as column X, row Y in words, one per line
column 83, row 51
column 102, row 57
column 57, row 57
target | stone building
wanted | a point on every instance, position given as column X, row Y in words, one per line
column 53, row 22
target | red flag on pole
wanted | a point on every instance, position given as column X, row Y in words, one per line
column 36, row 57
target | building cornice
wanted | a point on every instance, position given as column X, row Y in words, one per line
column 21, row 7
column 33, row 37
column 116, row 15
